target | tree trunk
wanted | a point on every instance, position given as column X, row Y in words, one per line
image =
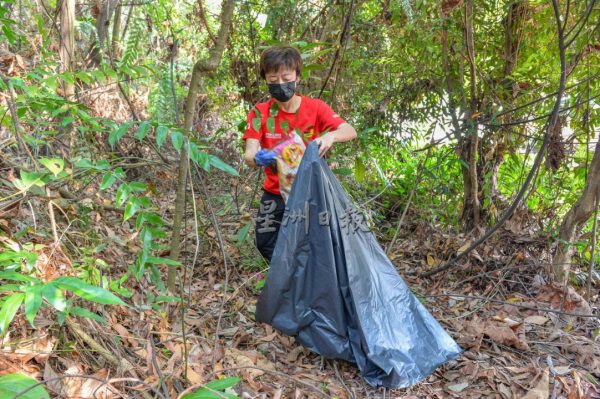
column 471, row 214
column 200, row 68
column 67, row 42
column 115, row 47
column 579, row 213
column 104, row 11
column 67, row 47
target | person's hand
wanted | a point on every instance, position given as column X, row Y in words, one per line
column 325, row 143
column 264, row 157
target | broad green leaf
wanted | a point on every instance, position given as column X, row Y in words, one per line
column 143, row 130
column 9, row 309
column 87, row 291
column 54, row 165
column 33, row 301
column 29, row 179
column 242, row 234
column 10, row 35
column 9, row 287
column 216, row 385
column 122, row 196
column 161, row 135
column 204, row 160
column 54, row 296
column 342, row 171
column 12, row 385
column 177, row 139
column 219, row 164
column 168, row 298
column 76, row 310
column 162, row 261
column 84, row 163
column 359, row 170
column 9, row 275
column 108, row 180
column 132, row 207
column 116, row 135
column 138, row 187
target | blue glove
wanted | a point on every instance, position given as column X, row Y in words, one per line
column 264, row 157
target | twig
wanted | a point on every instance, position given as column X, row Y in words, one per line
column 592, row 252
column 222, row 245
column 161, row 377
column 122, row 364
column 546, row 310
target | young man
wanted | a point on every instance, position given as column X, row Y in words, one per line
column 280, row 66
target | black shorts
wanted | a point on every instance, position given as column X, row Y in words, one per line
column 268, row 222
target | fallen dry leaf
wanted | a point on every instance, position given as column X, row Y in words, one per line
column 541, row 388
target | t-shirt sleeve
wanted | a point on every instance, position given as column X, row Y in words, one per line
column 251, row 132
column 327, row 120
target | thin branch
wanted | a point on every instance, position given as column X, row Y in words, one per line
column 545, row 310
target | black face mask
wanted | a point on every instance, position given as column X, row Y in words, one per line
column 282, row 91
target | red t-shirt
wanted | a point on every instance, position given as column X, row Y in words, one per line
column 312, row 118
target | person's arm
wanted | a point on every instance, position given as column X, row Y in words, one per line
column 344, row 132
column 252, row 147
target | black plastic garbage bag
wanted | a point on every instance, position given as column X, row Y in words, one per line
column 332, row 287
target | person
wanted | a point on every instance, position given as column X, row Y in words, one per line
column 281, row 67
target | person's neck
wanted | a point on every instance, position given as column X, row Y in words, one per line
column 292, row 105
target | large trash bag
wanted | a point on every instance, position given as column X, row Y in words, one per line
column 332, row 287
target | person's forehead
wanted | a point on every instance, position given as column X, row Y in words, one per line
column 281, row 71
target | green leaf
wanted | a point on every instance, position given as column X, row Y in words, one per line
column 241, row 236
column 342, row 171
column 9, row 275
column 138, row 187
column 161, row 135
column 12, row 385
column 123, row 193
column 54, row 165
column 203, row 160
column 9, row 287
column 9, row 309
column 219, row 164
column 132, row 207
column 33, row 301
column 168, row 298
column 177, row 139
column 162, row 261
column 76, row 310
column 10, row 35
column 116, row 135
column 359, row 170
column 216, row 385
column 108, row 180
column 143, row 130
column 55, row 297
column 29, row 179
column 87, row 291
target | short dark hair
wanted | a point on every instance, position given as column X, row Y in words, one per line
column 276, row 57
